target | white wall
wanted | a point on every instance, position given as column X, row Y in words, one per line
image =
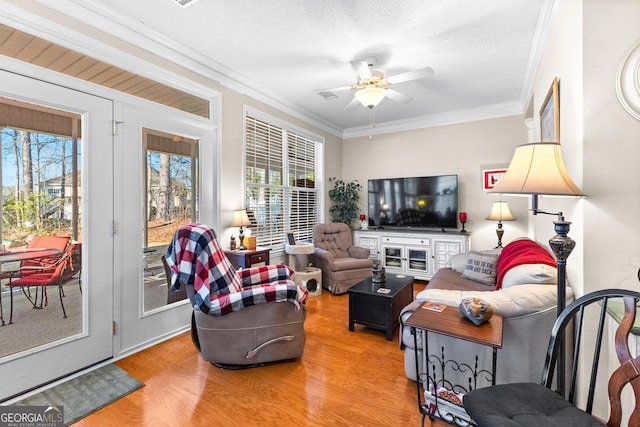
column 463, row 149
column 562, row 58
column 600, row 141
column 611, row 149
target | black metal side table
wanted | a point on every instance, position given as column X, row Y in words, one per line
column 451, row 323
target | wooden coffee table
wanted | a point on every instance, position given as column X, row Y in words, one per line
column 378, row 305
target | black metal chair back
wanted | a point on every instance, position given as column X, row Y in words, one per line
column 575, row 313
column 582, row 327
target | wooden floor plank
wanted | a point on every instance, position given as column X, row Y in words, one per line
column 343, row 379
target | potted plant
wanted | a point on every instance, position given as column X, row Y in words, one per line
column 345, row 197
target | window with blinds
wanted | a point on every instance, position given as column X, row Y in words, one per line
column 283, row 182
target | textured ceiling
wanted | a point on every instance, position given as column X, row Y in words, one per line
column 482, row 51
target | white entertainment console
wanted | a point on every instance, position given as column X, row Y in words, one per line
column 413, row 252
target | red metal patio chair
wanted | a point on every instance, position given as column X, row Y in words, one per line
column 39, row 242
column 45, row 242
column 75, row 265
column 40, row 277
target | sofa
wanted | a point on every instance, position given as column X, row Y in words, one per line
column 342, row 263
column 519, row 282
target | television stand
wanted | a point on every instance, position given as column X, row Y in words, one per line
column 418, row 253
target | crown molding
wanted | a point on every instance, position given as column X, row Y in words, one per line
column 449, row 118
column 541, row 34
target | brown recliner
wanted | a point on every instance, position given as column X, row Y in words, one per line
column 256, row 335
column 240, row 318
column 342, row 264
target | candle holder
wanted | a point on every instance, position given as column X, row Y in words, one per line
column 364, row 225
column 463, row 220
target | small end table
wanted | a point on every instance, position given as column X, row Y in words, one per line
column 450, row 322
column 248, row 258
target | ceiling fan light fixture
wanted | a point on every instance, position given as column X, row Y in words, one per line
column 371, row 96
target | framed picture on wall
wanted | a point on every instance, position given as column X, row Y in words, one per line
column 490, row 177
column 550, row 115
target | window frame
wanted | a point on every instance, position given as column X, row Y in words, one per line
column 276, row 240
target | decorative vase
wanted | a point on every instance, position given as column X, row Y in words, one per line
column 378, row 275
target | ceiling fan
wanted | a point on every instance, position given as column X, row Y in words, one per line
column 372, row 86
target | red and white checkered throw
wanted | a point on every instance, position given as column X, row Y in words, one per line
column 195, row 258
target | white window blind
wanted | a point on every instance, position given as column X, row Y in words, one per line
column 283, row 179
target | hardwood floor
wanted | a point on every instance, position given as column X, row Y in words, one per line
column 343, row 379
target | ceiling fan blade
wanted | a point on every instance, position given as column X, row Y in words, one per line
column 422, row 73
column 353, row 104
column 334, row 89
column 362, row 69
column 399, row 97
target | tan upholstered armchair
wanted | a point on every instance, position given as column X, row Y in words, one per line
column 342, row 264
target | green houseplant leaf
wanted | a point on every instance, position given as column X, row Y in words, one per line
column 345, row 197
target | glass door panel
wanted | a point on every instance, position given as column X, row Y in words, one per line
column 57, row 199
column 392, row 257
column 41, row 158
column 171, row 201
column 158, row 154
column 417, row 260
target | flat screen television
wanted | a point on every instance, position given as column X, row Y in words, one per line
column 414, row 202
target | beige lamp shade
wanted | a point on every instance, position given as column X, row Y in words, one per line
column 500, row 212
column 537, row 169
column 240, row 218
column 371, row 96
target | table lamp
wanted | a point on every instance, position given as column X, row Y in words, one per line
column 500, row 212
column 538, row 169
column 240, row 219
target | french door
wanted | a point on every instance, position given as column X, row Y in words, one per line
column 163, row 184
column 57, row 164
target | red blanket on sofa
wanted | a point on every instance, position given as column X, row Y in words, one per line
column 522, row 252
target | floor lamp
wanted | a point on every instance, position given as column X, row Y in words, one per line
column 500, row 212
column 538, row 169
